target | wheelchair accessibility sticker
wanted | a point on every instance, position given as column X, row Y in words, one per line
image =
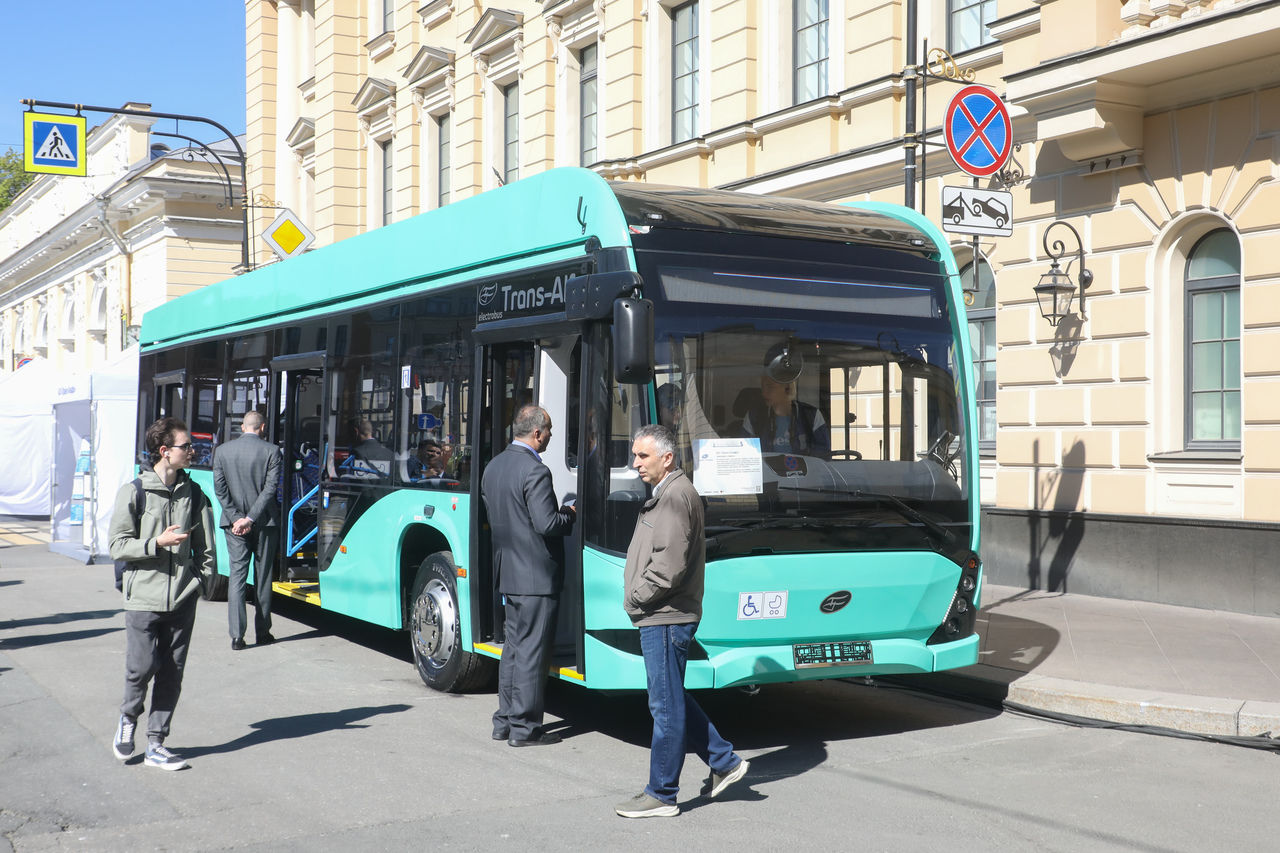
column 762, row 605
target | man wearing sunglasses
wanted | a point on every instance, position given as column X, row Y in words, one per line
column 163, row 532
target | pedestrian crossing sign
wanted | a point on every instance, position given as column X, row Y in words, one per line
column 54, row 144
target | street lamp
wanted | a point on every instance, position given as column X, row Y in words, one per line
column 1055, row 289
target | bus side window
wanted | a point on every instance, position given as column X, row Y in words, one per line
column 437, row 348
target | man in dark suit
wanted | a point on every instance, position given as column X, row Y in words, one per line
column 245, row 474
column 523, row 517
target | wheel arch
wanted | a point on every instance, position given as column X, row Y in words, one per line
column 418, row 542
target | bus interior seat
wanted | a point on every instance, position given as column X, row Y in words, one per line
column 748, row 400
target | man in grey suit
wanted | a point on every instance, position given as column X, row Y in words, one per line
column 245, row 474
column 524, row 517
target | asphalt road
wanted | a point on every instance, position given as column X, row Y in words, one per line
column 328, row 741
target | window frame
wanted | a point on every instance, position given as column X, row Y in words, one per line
column 987, row 13
column 823, row 62
column 1193, row 287
column 693, row 44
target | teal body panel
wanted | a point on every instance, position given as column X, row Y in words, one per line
column 560, row 210
column 364, row 582
column 898, row 598
column 204, row 479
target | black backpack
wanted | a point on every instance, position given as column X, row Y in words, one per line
column 135, row 509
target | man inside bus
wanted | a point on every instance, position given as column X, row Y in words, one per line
column 246, row 472
column 373, row 460
column 528, row 528
column 783, row 423
column 663, row 584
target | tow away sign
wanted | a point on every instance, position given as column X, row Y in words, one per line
column 972, row 211
column 54, row 144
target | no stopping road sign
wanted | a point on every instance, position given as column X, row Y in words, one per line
column 978, row 131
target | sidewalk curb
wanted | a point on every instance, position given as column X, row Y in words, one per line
column 992, row 686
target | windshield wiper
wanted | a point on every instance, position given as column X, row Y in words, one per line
column 946, row 538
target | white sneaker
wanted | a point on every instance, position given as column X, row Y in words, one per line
column 123, row 744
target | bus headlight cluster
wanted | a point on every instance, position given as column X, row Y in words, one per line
column 962, row 615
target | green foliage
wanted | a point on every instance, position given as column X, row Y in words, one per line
column 12, row 179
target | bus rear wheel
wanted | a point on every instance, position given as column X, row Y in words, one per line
column 435, row 630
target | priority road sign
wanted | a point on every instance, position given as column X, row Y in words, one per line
column 967, row 210
column 287, row 235
column 978, row 131
column 54, row 144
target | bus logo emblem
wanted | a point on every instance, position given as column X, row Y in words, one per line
column 487, row 293
column 835, row 601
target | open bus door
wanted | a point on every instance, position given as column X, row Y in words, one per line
column 298, row 381
column 514, row 374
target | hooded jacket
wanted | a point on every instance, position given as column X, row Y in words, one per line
column 160, row 579
column 667, row 557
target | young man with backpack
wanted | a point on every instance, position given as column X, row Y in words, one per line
column 162, row 534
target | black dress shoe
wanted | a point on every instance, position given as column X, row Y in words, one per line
column 540, row 739
column 501, row 734
column 265, row 640
column 238, row 645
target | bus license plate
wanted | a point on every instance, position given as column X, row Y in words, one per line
column 832, row 654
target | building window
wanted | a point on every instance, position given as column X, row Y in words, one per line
column 982, row 345
column 388, row 14
column 588, row 111
column 1213, row 342
column 511, row 133
column 684, row 72
column 388, row 182
column 968, row 23
column 811, row 49
column 444, row 140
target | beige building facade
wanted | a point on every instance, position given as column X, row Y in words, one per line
column 1132, row 449
column 82, row 258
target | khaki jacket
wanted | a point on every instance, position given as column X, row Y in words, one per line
column 667, row 557
column 159, row 579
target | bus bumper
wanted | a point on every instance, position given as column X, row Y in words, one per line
column 729, row 667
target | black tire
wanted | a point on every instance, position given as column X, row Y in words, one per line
column 215, row 590
column 435, row 630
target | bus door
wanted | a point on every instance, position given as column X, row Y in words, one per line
column 545, row 374
column 298, row 381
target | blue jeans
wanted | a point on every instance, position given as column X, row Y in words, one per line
column 679, row 723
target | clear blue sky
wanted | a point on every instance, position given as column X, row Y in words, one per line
column 181, row 57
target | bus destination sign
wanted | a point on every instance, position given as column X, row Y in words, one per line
column 538, row 295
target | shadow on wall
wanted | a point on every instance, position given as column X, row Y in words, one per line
column 1056, row 530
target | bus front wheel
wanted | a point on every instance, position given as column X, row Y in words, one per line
column 435, row 630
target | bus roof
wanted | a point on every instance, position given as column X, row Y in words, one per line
column 545, row 218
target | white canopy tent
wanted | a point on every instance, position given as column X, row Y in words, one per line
column 93, row 453
column 26, row 422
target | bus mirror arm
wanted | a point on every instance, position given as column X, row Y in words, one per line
column 591, row 297
column 632, row 340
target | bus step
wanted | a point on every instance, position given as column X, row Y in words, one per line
column 308, row 592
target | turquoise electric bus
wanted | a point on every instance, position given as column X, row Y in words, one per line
column 812, row 359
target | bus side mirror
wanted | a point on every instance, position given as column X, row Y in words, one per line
column 590, row 297
column 632, row 341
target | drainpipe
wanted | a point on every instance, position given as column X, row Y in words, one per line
column 127, row 295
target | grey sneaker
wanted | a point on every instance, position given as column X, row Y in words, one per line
column 158, row 756
column 123, row 745
column 643, row 805
column 717, row 783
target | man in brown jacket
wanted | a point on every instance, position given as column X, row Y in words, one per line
column 663, row 589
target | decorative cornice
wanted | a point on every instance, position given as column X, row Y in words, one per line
column 427, row 62
column 371, row 95
column 302, row 134
column 495, row 30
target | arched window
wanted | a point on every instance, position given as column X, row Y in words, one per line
column 982, row 342
column 1213, row 342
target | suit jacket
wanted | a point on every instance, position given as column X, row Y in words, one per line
column 523, row 515
column 246, row 472
column 667, row 558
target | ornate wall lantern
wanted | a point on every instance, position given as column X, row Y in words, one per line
column 1056, row 288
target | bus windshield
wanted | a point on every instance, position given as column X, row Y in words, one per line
column 814, row 411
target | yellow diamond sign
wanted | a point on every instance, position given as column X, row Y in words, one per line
column 287, row 236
